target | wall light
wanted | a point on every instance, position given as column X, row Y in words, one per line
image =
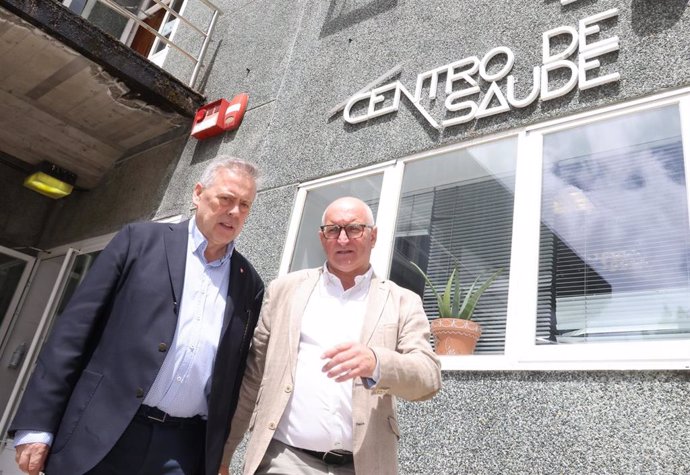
column 50, row 180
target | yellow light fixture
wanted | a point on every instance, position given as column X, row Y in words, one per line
column 51, row 181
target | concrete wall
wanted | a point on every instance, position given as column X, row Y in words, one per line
column 131, row 191
column 23, row 212
column 549, row 423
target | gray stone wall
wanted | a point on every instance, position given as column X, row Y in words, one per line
column 549, row 423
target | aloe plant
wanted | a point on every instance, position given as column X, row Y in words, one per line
column 449, row 305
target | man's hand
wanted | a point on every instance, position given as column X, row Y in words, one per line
column 31, row 458
column 348, row 361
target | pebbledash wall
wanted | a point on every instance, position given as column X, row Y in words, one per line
column 305, row 64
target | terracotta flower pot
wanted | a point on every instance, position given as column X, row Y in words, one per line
column 455, row 336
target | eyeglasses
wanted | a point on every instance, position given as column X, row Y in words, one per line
column 352, row 231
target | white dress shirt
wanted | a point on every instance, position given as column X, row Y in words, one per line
column 319, row 413
column 183, row 382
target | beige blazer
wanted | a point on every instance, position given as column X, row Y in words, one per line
column 395, row 328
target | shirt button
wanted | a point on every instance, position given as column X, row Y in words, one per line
column 272, row 425
column 288, row 388
column 179, row 379
column 162, row 347
column 140, row 392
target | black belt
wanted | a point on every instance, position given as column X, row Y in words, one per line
column 154, row 414
column 332, row 457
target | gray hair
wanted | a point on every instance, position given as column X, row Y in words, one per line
column 234, row 164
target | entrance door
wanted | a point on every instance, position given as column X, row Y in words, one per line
column 28, row 327
column 167, row 28
column 157, row 14
column 55, row 279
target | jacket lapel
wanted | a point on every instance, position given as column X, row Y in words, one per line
column 176, row 255
column 301, row 295
column 376, row 300
column 238, row 281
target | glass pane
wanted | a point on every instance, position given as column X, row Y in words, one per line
column 82, row 264
column 308, row 252
column 456, row 209
column 108, row 19
column 615, row 247
column 11, row 270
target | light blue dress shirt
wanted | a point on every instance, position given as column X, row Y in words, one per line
column 183, row 383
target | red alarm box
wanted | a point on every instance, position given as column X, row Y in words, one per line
column 219, row 116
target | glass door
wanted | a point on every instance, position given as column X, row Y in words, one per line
column 15, row 268
column 54, row 281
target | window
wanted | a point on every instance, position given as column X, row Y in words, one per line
column 614, row 258
column 456, row 210
column 308, row 251
column 587, row 216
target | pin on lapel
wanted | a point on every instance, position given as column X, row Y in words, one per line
column 241, row 270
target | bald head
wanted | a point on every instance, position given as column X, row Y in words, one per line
column 349, row 203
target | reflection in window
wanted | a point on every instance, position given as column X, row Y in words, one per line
column 308, row 251
column 81, row 266
column 456, row 209
column 11, row 271
column 615, row 247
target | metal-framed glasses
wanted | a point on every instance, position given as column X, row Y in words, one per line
column 352, row 230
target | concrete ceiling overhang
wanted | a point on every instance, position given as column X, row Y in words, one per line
column 75, row 96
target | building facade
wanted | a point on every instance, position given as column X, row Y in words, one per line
column 549, row 139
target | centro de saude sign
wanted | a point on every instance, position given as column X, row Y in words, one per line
column 464, row 72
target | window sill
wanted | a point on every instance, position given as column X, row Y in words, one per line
column 503, row 363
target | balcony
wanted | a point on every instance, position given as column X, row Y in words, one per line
column 84, row 93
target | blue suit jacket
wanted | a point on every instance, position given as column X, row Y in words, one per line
column 105, row 351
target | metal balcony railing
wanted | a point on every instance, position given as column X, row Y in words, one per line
column 138, row 20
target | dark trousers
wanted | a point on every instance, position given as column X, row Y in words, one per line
column 148, row 447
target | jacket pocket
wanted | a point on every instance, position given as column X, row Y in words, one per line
column 78, row 402
column 394, row 426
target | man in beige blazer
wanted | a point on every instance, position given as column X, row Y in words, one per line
column 333, row 348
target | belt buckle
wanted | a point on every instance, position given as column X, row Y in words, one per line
column 333, row 458
column 158, row 419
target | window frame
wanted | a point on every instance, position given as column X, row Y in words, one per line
column 520, row 351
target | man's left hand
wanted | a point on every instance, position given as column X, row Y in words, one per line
column 348, row 361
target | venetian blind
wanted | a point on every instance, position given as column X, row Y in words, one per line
column 468, row 225
column 615, row 264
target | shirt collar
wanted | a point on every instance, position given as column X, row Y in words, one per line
column 199, row 244
column 360, row 280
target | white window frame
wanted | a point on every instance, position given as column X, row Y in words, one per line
column 385, row 168
column 521, row 351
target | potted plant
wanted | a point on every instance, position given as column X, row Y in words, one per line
column 454, row 331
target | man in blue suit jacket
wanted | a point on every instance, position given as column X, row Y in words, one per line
column 142, row 370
